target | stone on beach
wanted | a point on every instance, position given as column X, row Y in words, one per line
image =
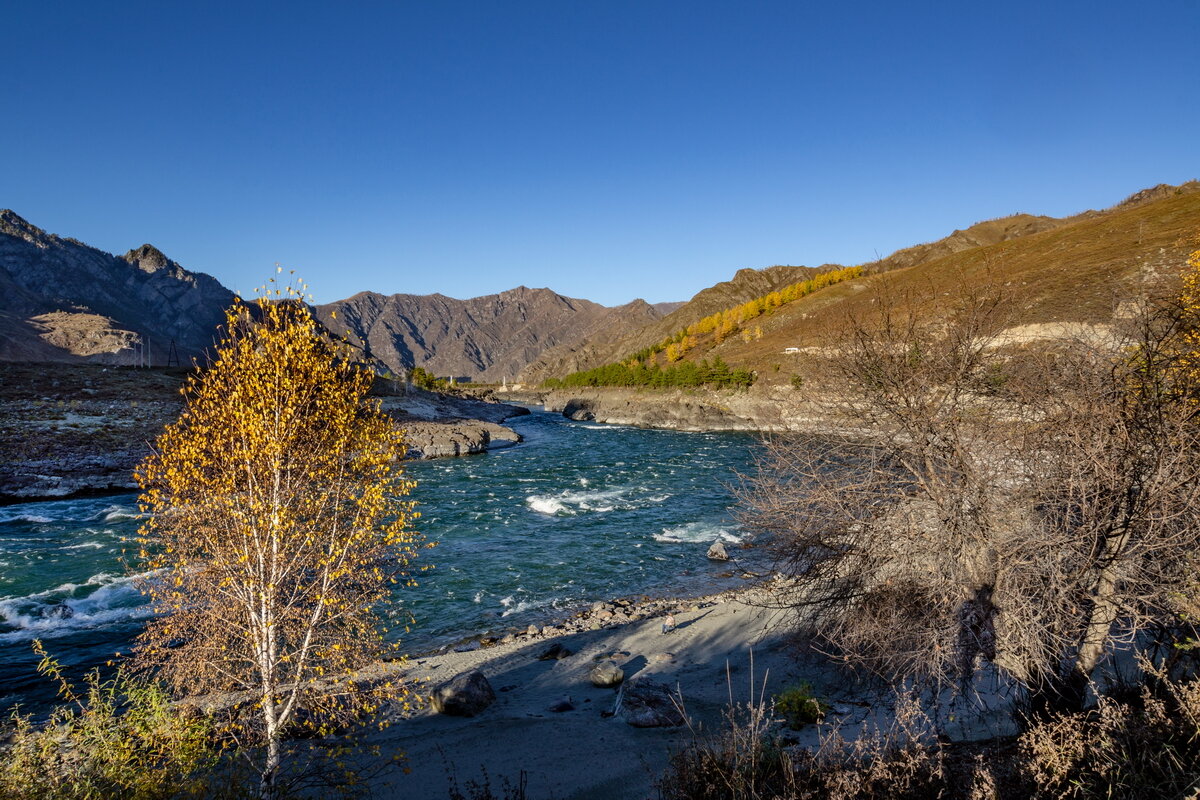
column 555, row 652
column 649, row 705
column 562, row 705
column 464, row 695
column 606, row 674
column 716, row 551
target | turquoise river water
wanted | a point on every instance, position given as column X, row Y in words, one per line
column 578, row 512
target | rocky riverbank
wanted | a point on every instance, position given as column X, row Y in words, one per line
column 589, row 709
column 774, row 409
column 72, row 430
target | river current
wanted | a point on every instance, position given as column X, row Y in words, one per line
column 578, row 512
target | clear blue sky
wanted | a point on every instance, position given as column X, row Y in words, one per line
column 608, row 150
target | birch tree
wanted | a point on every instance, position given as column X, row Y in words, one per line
column 278, row 528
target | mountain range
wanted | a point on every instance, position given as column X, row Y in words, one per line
column 64, row 301
column 487, row 339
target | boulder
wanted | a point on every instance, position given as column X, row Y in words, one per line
column 555, row 652
column 57, row 611
column 578, row 409
column 464, row 695
column 716, row 551
column 606, row 674
column 649, row 705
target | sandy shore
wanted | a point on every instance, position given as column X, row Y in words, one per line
column 584, row 753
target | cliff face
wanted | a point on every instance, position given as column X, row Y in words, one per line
column 61, row 300
column 487, row 338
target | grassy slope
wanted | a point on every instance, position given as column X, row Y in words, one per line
column 1075, row 271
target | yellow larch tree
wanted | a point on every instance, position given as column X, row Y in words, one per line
column 1190, row 302
column 278, row 528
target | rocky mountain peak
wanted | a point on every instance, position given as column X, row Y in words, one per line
column 14, row 224
column 62, row 300
column 148, row 258
column 490, row 337
column 1157, row 193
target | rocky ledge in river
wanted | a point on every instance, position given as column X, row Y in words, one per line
column 774, row 408
column 437, row 439
column 438, row 425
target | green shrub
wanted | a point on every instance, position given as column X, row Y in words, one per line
column 799, row 706
column 120, row 737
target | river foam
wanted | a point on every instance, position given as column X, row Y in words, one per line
column 697, row 532
column 569, row 503
column 102, row 599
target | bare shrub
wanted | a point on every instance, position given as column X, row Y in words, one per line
column 1147, row 745
column 1022, row 525
column 747, row 761
column 743, row 761
column 482, row 789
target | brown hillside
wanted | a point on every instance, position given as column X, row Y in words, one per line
column 1078, row 271
column 1075, row 275
column 1071, row 270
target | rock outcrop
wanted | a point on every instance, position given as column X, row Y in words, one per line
column 439, row 425
column 448, row 438
column 695, row 410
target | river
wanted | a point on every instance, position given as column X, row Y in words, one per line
column 578, row 512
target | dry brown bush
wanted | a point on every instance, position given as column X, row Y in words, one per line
column 1146, row 746
column 984, row 518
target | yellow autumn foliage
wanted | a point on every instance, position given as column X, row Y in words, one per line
column 1190, row 302
column 278, row 527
